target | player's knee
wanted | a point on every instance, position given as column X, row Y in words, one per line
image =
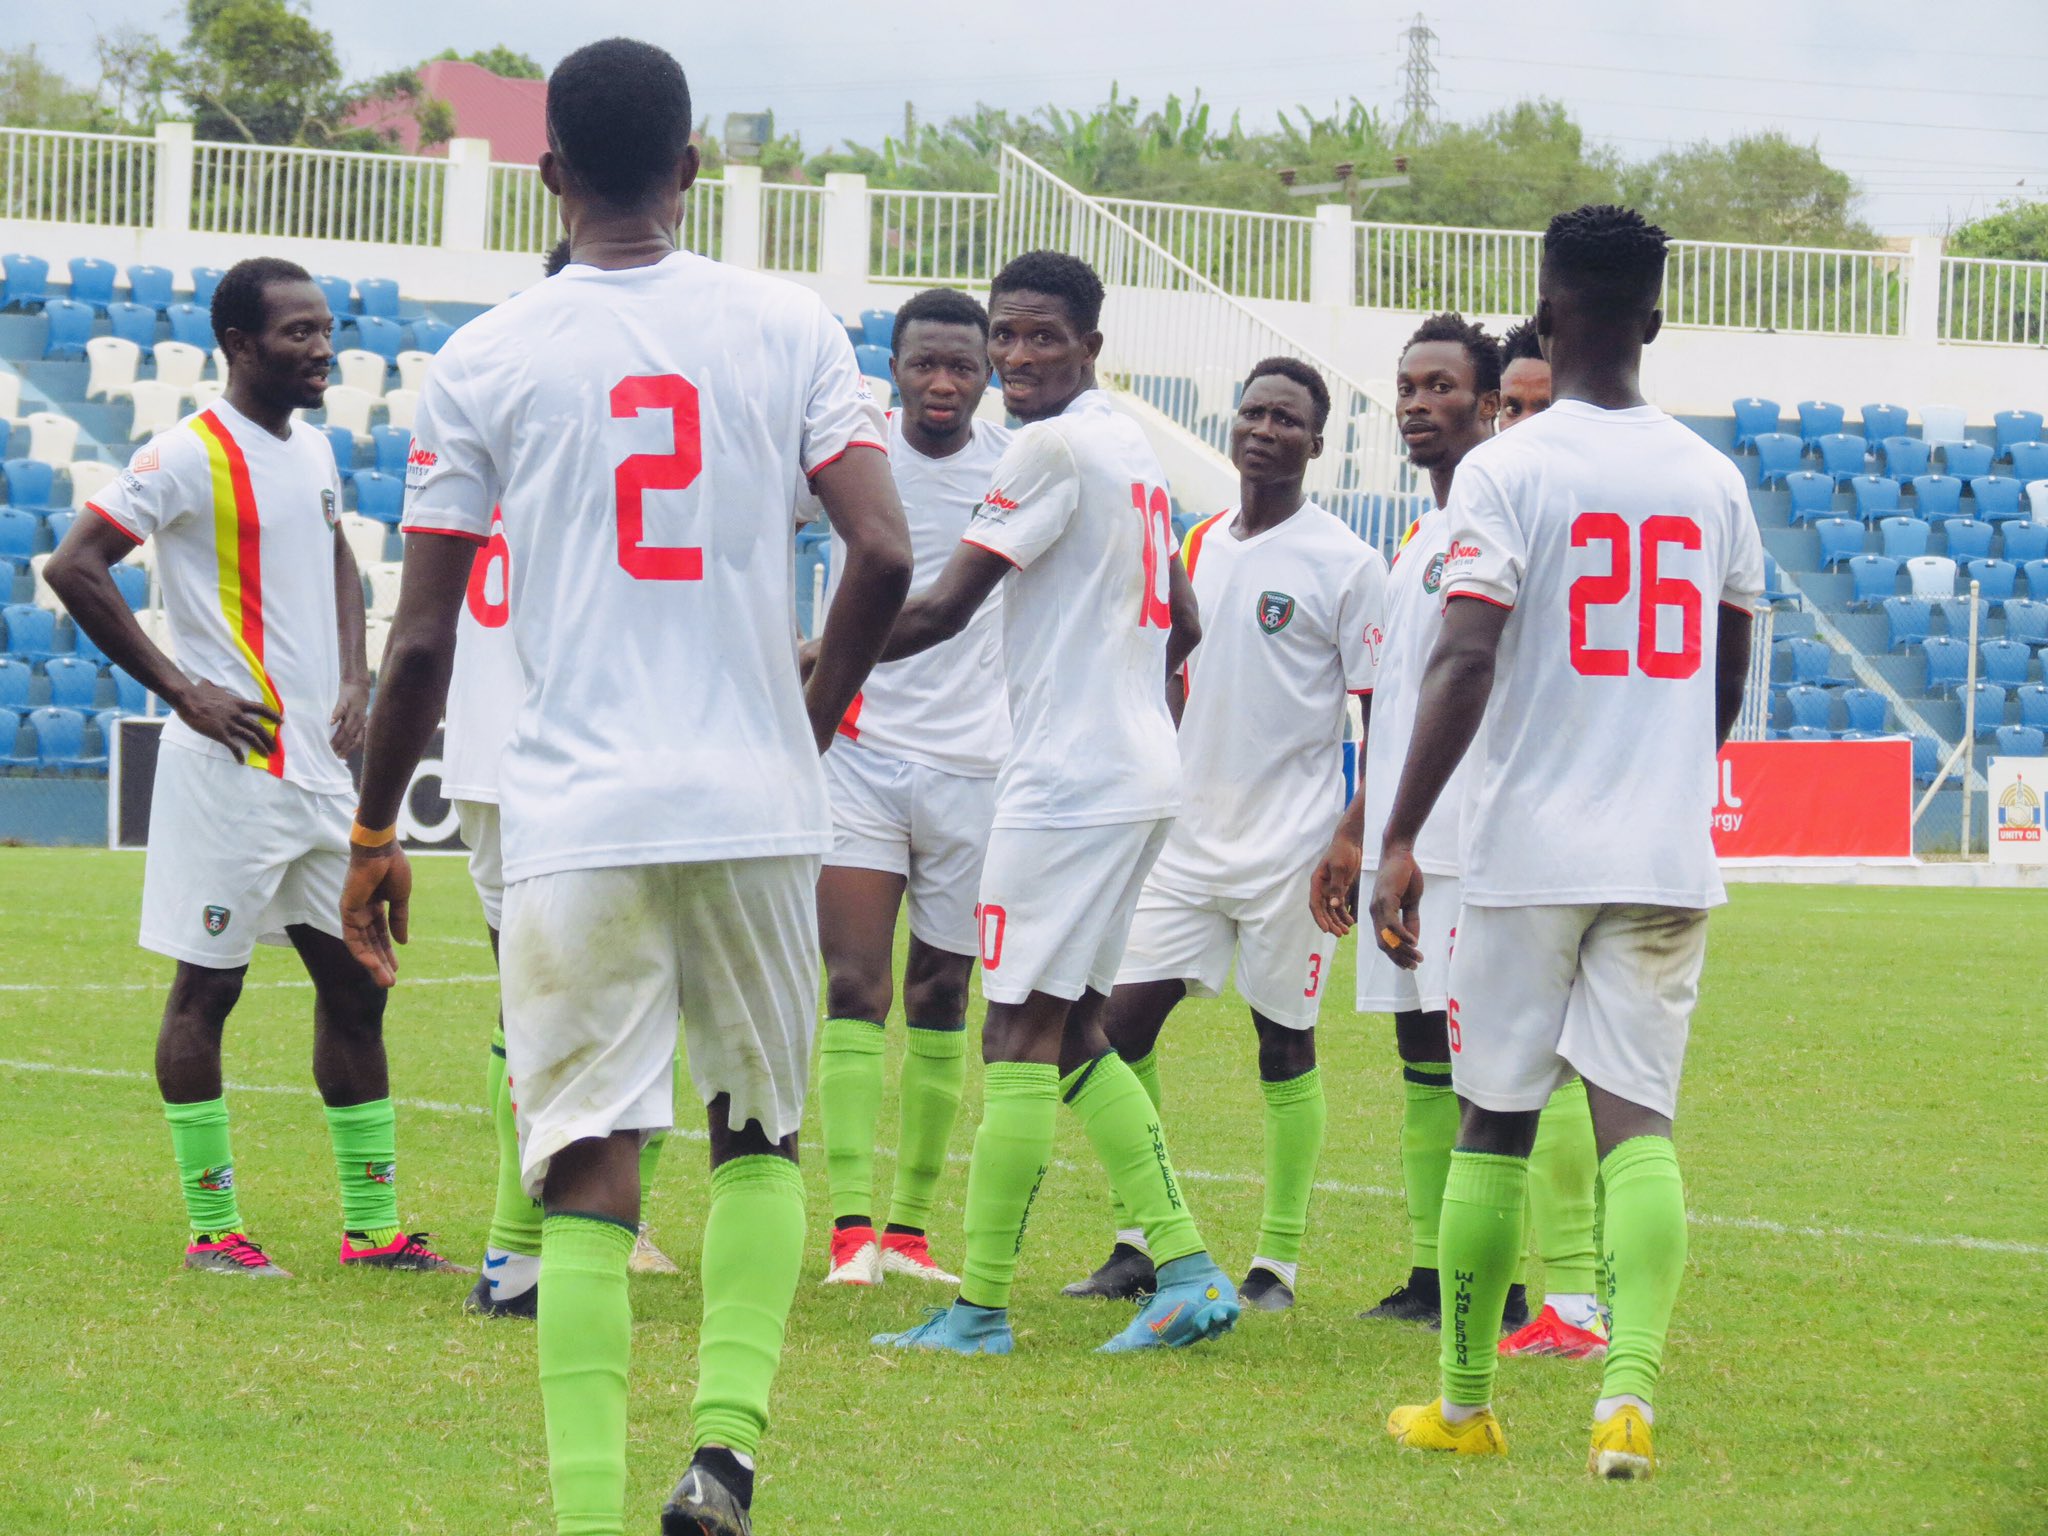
column 353, row 1005
column 1284, row 1053
column 858, row 991
column 1422, row 1037
column 936, row 996
column 201, row 998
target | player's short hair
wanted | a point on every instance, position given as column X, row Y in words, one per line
column 1481, row 348
column 1520, row 345
column 238, row 301
column 941, row 306
column 1067, row 278
column 1308, row 378
column 1609, row 254
column 619, row 117
column 557, row 258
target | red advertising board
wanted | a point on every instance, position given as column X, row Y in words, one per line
column 1815, row 800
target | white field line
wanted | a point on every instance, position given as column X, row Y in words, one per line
column 1192, row 1175
column 160, row 986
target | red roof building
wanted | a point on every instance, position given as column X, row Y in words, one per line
column 512, row 114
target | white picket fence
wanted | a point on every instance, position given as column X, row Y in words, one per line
column 792, row 224
column 1813, row 290
column 318, row 194
column 1247, row 255
column 77, row 178
column 1423, row 268
column 931, row 237
column 524, row 217
column 1998, row 303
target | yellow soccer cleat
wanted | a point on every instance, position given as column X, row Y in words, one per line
column 1423, row 1427
column 1621, row 1445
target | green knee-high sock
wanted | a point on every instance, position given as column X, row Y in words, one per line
column 753, row 1251
column 515, row 1215
column 206, row 1165
column 365, row 1138
column 1645, row 1241
column 1429, row 1129
column 1562, row 1171
column 1019, row 1103
column 584, row 1336
column 1295, row 1115
column 934, row 1076
column 1481, row 1238
column 1146, row 1070
column 1123, row 1124
column 850, row 1102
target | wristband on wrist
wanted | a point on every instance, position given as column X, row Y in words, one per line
column 361, row 836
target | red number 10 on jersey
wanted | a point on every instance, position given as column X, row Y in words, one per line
column 1155, row 512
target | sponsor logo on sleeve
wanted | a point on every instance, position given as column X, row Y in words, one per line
column 1459, row 559
column 1275, row 612
column 418, row 465
column 131, row 482
column 995, row 506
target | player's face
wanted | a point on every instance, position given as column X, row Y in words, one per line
column 291, row 356
column 1040, row 355
column 1524, row 390
column 1441, row 411
column 1273, row 435
column 941, row 369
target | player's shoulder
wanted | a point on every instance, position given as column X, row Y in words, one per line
column 177, row 448
column 992, row 438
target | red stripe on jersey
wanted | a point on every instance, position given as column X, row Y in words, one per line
column 103, row 512
column 849, row 727
column 1191, row 546
column 1481, row 597
column 842, row 453
column 996, row 552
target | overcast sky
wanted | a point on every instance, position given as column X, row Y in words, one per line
column 1934, row 134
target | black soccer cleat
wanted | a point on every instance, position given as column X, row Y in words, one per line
column 1126, row 1275
column 481, row 1303
column 1515, row 1313
column 1265, row 1291
column 713, row 1498
column 1418, row 1301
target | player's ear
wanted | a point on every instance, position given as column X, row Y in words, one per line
column 550, row 172
column 1656, row 324
column 1546, row 320
column 1489, row 405
column 692, row 163
column 1093, row 342
column 1315, row 445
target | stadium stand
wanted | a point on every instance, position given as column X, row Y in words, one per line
column 2019, row 741
column 27, row 282
column 2009, row 427
column 1966, row 461
column 1938, row 497
column 1817, row 419
column 1883, row 421
column 1944, row 424
column 92, row 282
column 1753, row 418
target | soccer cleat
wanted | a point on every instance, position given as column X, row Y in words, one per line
column 1621, row 1445
column 910, row 1253
column 1191, row 1305
column 408, row 1251
column 1550, row 1334
column 1266, row 1292
column 856, row 1257
column 1423, row 1427
column 1418, row 1301
column 705, row 1504
column 232, row 1253
column 483, row 1304
column 958, row 1329
column 1126, row 1275
column 647, row 1259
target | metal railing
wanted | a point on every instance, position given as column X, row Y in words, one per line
column 77, row 178
column 1177, row 341
column 792, row 223
column 1248, row 255
column 1999, row 303
column 317, row 194
column 524, row 216
column 931, row 237
column 1709, row 283
column 1472, row 271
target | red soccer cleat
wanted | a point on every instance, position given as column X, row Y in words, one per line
column 910, row 1253
column 233, row 1253
column 408, row 1250
column 1549, row 1334
column 856, row 1257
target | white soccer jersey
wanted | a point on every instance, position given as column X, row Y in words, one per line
column 486, row 687
column 939, row 707
column 1291, row 624
column 244, row 529
column 644, row 435
column 1615, row 537
column 1415, row 617
column 1079, row 505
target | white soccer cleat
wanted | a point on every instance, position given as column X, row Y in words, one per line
column 647, row 1259
column 910, row 1253
column 856, row 1257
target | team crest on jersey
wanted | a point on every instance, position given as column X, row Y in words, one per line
column 1276, row 611
column 1433, row 575
column 217, row 920
column 327, row 508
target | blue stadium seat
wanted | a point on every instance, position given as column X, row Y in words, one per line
column 1777, row 455
column 70, row 328
column 379, row 296
column 85, row 646
column 2019, row 741
column 1874, row 578
column 2029, row 461
column 1867, row 710
column 343, row 442
column 1774, row 591
column 1966, row 461
column 132, row 582
column 60, row 741
column 1753, row 418
column 192, row 324
column 136, row 323
column 1842, row 455
column 389, row 447
column 430, row 335
column 1967, row 539
column 19, row 531
column 2009, row 427
column 1906, row 457
column 873, row 361
column 1995, row 579
column 59, row 523
column 74, row 681
column 1883, row 421
column 878, row 328
column 2004, row 662
column 10, row 732
column 130, row 697
column 1841, row 538
column 31, row 631
column 1998, row 498
column 14, row 680
column 1937, row 496
column 31, row 484
column 1948, row 662
column 2034, row 705
column 204, row 281
column 104, row 721
column 1806, row 733
column 1874, row 496
column 152, row 286
column 384, row 337
column 380, row 496
column 28, row 281
column 2036, row 572
column 1810, row 660
column 1812, row 493
column 1990, row 706
column 1817, row 418
column 1811, row 707
column 2025, row 542
column 2026, row 620
column 1927, row 757
column 338, row 294
column 92, row 282
column 1955, row 615
column 1904, row 537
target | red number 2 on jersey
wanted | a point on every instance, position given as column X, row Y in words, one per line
column 644, row 472
column 1155, row 511
column 1658, row 591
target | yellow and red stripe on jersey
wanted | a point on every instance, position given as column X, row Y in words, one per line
column 1405, row 537
column 238, row 551
column 1191, row 546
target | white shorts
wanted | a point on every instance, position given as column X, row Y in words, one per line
column 1056, row 906
column 479, row 822
column 1282, row 956
column 1606, row 991
column 596, row 965
column 1383, row 987
column 235, row 857
column 916, row 821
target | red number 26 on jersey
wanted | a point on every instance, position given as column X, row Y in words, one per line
column 643, row 472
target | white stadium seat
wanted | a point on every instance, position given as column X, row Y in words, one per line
column 111, row 364
column 361, row 370
column 180, row 365
column 365, row 537
column 385, row 577
column 412, row 369
column 87, row 477
column 158, row 406
column 399, row 407
column 349, row 407
column 52, row 437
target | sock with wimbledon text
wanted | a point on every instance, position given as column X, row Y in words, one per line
column 1645, row 1242
column 1123, row 1125
column 1146, row 1070
column 753, row 1251
column 1295, row 1116
column 850, row 1104
column 1476, row 1253
column 1429, row 1129
column 934, row 1077
column 1563, row 1168
column 584, row 1336
column 206, row 1165
column 1019, row 1103
column 365, row 1138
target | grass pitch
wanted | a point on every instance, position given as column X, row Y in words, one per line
column 1857, row 1348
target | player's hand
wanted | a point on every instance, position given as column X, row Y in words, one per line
column 376, row 897
column 350, row 718
column 1397, row 907
column 806, row 660
column 1333, row 888
column 241, row 725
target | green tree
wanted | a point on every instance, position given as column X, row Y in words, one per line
column 1513, row 169
column 1761, row 188
column 499, row 60
column 33, row 95
column 2016, row 231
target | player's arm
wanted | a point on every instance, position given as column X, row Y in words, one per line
column 861, row 502
column 941, row 612
column 1185, row 633
column 353, row 706
column 1731, row 669
column 81, row 574
column 1333, row 888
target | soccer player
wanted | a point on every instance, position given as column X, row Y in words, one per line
column 912, row 784
column 641, row 424
column 1602, row 567
column 1097, row 615
column 1524, row 375
column 1292, row 603
column 249, row 820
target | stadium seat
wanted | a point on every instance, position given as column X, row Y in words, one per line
column 152, row 286
column 1948, row 662
column 59, row 523
column 1873, row 578
column 343, row 442
column 376, row 634
column 400, row 405
column 180, row 365
column 429, row 336
column 74, row 681
column 60, row 741
column 130, row 697
column 111, row 364
column 1929, row 576
column 1997, row 497
column 204, row 281
column 84, row 646
column 380, row 496
column 2025, row 541
column 1995, row 580
column 70, row 328
column 52, row 437
column 1811, row 661
column 158, row 407
column 205, row 392
column 27, row 281
column 1990, row 706
column 1906, row 457
column 384, row 337
column 10, row 397
column 1927, row 757
column 413, row 367
column 2019, row 741
column 92, row 282
column 360, row 369
column 873, row 361
column 2029, row 460
column 1874, row 497
column 2037, row 498
column 2009, row 427
column 1841, row 538
column 1966, row 461
column 384, row 578
column 1944, row 423
column 88, row 478
column 1904, row 537
column 1753, row 417
column 1867, row 710
column 132, row 581
column 31, row 631
column 2026, row 620
column 1883, row 421
column 1810, row 706
column 1955, row 614
column 30, row 483
column 2034, row 705
column 389, row 447
column 1806, row 733
column 1842, row 455
column 349, row 407
column 1936, row 497
column 136, row 323
column 14, row 681
column 366, row 538
column 2036, row 572
column 1775, row 591
column 193, row 326
column 2004, row 662
column 878, row 328
column 18, row 532
column 1967, row 538
column 1818, row 418
column 1812, row 493
column 339, row 295
column 379, row 297
column 10, row 733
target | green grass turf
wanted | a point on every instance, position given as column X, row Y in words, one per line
column 1869, row 1061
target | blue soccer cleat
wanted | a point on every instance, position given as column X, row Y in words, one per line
column 959, row 1329
column 1196, row 1301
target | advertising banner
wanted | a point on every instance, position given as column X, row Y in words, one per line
column 1815, row 800
column 2018, row 787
